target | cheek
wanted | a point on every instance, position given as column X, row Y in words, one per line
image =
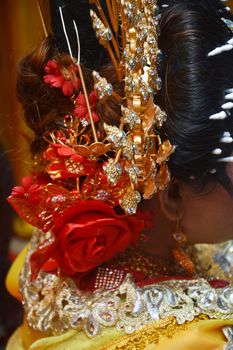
column 208, row 218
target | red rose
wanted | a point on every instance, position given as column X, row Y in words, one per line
column 88, row 234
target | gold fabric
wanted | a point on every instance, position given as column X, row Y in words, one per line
column 162, row 335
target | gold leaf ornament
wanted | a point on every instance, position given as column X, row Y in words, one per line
column 163, row 176
column 164, row 151
column 129, row 200
column 150, row 188
column 94, row 150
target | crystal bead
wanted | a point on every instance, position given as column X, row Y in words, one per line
column 92, row 326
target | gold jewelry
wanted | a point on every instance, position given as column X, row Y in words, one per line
column 179, row 254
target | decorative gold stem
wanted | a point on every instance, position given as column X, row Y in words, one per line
column 117, row 96
column 118, row 156
column 114, row 61
column 87, row 103
column 123, row 27
column 105, row 22
column 78, row 185
column 120, row 150
column 115, row 15
column 42, row 18
column 114, row 22
column 112, row 10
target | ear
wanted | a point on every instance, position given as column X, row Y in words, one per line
column 171, row 201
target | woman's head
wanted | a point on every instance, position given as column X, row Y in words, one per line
column 194, row 88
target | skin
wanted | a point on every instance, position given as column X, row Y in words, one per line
column 205, row 217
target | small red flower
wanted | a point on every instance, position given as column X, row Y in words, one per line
column 81, row 107
column 64, row 162
column 58, row 151
column 29, row 190
column 64, row 78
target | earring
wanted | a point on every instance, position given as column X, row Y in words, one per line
column 179, row 254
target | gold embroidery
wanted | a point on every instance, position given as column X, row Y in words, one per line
column 150, row 334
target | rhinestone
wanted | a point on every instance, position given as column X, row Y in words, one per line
column 101, row 86
column 159, row 56
column 92, row 326
column 113, row 171
column 151, row 39
column 228, row 346
column 130, row 117
column 115, row 135
column 207, row 299
column 58, row 198
column 102, row 195
column 159, row 83
column 156, row 11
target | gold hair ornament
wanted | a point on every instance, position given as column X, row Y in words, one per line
column 133, row 154
column 137, row 143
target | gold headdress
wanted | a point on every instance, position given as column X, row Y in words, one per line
column 90, row 164
column 139, row 150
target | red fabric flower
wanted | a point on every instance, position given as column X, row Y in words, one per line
column 64, row 162
column 29, row 190
column 81, row 107
column 37, row 201
column 65, row 78
column 55, row 151
column 88, row 234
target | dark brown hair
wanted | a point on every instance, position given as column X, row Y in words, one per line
column 45, row 107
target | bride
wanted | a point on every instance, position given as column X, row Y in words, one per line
column 131, row 188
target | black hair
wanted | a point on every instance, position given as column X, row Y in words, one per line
column 194, row 87
column 93, row 55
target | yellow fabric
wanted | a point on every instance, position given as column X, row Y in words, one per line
column 22, row 229
column 202, row 334
column 12, row 280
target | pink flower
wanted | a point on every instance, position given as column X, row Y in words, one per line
column 64, row 78
column 29, row 190
column 81, row 107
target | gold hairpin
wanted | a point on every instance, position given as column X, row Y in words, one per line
column 104, row 35
column 114, row 21
column 42, row 18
